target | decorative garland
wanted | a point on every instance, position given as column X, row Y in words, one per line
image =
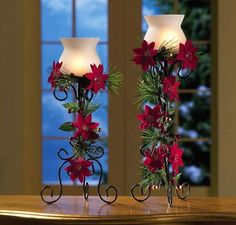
column 86, row 150
column 158, row 93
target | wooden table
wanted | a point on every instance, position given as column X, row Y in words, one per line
column 75, row 210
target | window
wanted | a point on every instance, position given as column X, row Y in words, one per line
column 193, row 119
column 80, row 18
column 68, row 18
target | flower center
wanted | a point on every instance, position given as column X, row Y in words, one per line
column 147, row 54
column 85, row 127
column 189, row 55
column 78, row 167
column 98, row 79
column 151, row 119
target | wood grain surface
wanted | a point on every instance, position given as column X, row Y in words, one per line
column 75, row 210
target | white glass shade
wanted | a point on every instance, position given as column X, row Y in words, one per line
column 78, row 54
column 165, row 28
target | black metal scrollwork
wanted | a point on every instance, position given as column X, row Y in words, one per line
column 182, row 191
column 142, row 193
column 93, row 154
column 47, row 188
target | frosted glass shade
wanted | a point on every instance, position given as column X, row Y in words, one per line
column 78, row 54
column 165, row 28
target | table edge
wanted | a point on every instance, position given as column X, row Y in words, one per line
column 111, row 219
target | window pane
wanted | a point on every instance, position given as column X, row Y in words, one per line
column 101, row 116
column 196, row 158
column 154, row 7
column 197, row 22
column 56, row 19
column 51, row 163
column 194, row 115
column 91, row 19
column 50, row 53
column 53, row 115
column 102, row 50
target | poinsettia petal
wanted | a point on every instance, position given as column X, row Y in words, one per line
column 138, row 51
column 96, row 88
column 93, row 125
column 140, row 117
column 148, row 109
column 88, row 119
column 100, row 69
column 93, row 135
column 93, row 67
column 85, row 135
column 80, row 121
column 68, row 168
column 88, row 163
column 145, row 66
column 151, row 45
column 137, row 59
column 105, row 77
column 89, row 76
column 144, row 44
column 86, row 172
column 81, row 177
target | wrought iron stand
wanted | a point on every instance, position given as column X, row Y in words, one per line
column 182, row 191
column 81, row 95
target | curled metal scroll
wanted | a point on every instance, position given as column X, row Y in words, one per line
column 142, row 193
column 183, row 190
column 60, row 98
column 169, row 195
column 86, row 184
column 185, row 76
column 107, row 189
column 50, row 188
column 168, row 184
column 142, row 148
column 179, row 70
column 97, row 153
column 88, row 95
column 86, row 189
column 93, row 154
column 153, row 71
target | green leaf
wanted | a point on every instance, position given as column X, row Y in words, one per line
column 72, row 107
column 90, row 107
column 176, row 178
column 67, row 126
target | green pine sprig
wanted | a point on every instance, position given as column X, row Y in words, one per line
column 148, row 89
column 115, row 80
column 150, row 178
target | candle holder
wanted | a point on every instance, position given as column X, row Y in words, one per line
column 84, row 161
column 164, row 66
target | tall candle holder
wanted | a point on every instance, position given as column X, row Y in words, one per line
column 85, row 84
column 166, row 58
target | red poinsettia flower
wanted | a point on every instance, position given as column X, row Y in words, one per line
column 78, row 169
column 86, row 128
column 149, row 118
column 187, row 55
column 55, row 73
column 97, row 77
column 145, row 55
column 163, row 151
column 176, row 158
column 170, row 87
column 153, row 161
